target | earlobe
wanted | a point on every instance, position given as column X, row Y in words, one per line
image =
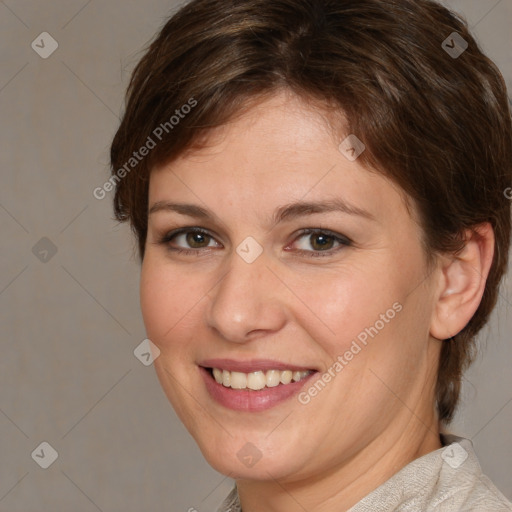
column 462, row 283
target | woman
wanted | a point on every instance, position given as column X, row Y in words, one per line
column 317, row 190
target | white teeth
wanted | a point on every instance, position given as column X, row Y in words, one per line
column 257, row 380
column 238, row 380
column 218, row 375
column 273, row 378
column 286, row 377
column 298, row 376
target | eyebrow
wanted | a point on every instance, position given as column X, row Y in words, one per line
column 283, row 213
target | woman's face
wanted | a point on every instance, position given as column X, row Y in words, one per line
column 258, row 299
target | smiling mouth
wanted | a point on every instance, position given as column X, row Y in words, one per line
column 258, row 380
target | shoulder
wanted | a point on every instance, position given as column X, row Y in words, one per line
column 231, row 503
column 462, row 484
column 447, row 480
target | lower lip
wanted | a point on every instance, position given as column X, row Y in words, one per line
column 250, row 400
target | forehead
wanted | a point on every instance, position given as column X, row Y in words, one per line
column 281, row 148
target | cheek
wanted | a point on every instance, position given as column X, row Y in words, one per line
column 164, row 300
column 347, row 304
column 153, row 302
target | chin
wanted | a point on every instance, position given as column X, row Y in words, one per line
column 251, row 460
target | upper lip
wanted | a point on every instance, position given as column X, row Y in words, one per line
column 251, row 365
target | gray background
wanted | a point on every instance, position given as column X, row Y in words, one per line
column 68, row 375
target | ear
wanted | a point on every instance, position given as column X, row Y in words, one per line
column 462, row 282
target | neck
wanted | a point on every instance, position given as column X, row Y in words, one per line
column 341, row 487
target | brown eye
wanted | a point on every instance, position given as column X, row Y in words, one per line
column 187, row 240
column 196, row 239
column 322, row 242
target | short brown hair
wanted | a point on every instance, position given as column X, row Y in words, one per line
column 435, row 123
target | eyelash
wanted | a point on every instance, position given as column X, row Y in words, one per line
column 342, row 240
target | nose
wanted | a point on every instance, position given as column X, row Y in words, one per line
column 248, row 302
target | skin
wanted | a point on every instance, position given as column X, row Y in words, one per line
column 376, row 415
